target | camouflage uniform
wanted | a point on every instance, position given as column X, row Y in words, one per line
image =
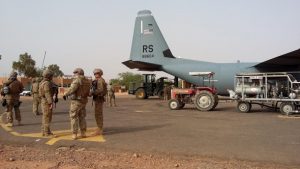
column 78, row 92
column 111, row 95
column 13, row 98
column 46, row 93
column 98, row 97
column 35, row 94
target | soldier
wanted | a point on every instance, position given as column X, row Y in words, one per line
column 111, row 95
column 165, row 92
column 78, row 92
column 11, row 92
column 99, row 90
column 35, row 94
column 46, row 93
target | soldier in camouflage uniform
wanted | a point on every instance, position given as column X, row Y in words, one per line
column 78, row 93
column 35, row 94
column 46, row 92
column 111, row 95
column 99, row 90
column 11, row 92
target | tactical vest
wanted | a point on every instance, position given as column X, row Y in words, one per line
column 35, row 87
column 15, row 87
column 83, row 89
column 42, row 90
column 102, row 87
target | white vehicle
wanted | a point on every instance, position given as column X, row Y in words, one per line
column 275, row 90
column 25, row 93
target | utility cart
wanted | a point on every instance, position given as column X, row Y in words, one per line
column 278, row 90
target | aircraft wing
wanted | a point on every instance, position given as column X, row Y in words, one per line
column 286, row 62
column 142, row 65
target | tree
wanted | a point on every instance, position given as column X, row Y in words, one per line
column 125, row 78
column 25, row 66
column 55, row 69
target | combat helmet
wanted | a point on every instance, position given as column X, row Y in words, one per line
column 97, row 70
column 79, row 71
column 47, row 74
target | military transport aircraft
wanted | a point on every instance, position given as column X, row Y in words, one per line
column 150, row 52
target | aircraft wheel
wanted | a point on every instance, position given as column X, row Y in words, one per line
column 244, row 107
column 205, row 101
column 174, row 104
column 287, row 108
column 140, row 94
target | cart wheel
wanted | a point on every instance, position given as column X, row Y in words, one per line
column 205, row 101
column 174, row 104
column 140, row 94
column 244, row 107
column 287, row 108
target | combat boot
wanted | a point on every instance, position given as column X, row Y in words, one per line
column 74, row 136
column 9, row 125
column 50, row 134
column 98, row 132
column 82, row 134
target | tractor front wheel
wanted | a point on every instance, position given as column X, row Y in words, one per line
column 174, row 104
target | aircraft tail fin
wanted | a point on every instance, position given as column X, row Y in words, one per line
column 148, row 43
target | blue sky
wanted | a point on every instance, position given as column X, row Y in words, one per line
column 95, row 33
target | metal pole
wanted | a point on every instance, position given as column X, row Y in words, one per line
column 43, row 60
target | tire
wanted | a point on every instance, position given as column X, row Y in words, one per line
column 244, row 107
column 174, row 104
column 286, row 108
column 205, row 101
column 216, row 101
column 140, row 94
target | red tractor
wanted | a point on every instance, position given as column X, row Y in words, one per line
column 204, row 97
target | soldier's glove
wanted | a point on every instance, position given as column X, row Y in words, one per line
column 64, row 97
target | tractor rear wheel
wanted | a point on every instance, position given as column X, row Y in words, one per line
column 205, row 101
column 216, row 101
column 140, row 94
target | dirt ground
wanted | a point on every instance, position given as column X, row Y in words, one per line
column 12, row 157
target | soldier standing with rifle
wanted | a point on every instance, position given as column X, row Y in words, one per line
column 98, row 91
column 78, row 93
column 11, row 92
column 47, row 91
column 36, row 100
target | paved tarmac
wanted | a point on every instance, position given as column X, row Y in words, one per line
column 149, row 126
